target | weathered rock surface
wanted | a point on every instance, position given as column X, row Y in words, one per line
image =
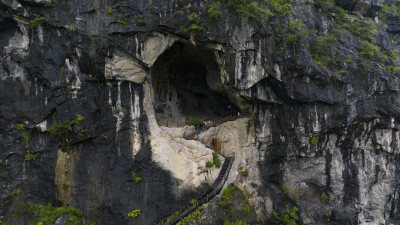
column 134, row 74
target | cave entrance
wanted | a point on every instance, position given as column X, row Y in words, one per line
column 182, row 78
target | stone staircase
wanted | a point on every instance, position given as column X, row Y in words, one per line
column 214, row 190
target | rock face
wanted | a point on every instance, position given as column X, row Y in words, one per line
column 140, row 74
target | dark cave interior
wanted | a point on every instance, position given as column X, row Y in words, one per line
column 181, row 79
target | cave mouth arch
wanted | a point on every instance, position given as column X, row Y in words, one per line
column 186, row 86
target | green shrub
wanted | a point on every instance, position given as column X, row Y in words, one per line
column 246, row 210
column 21, row 126
column 48, row 214
column 138, row 179
column 1, row 161
column 281, row 7
column 288, row 217
column 108, row 9
column 134, row 213
column 49, row 4
column 209, row 165
column 104, row 137
column 194, row 26
column 193, row 201
column 343, row 72
column 326, row 5
column 363, row 30
column 192, row 217
column 62, row 131
column 393, row 69
column 226, row 195
column 29, row 156
column 214, row 12
column 194, row 18
column 216, row 160
column 285, row 190
column 16, row 192
column 321, row 47
column 324, row 197
column 350, row 60
column 121, row 19
column 296, row 31
column 24, row 134
column 313, row 140
column 196, row 123
column 78, row 120
column 3, row 223
column 38, row 20
column 389, row 9
column 62, row 72
column 369, row 51
column 250, row 9
column 82, row 133
column 244, row 173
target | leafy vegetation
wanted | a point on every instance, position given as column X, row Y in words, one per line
column 138, row 179
column 62, row 131
column 121, row 19
column 192, row 217
column 209, row 165
column 214, row 12
column 24, row 133
column 226, row 195
column 389, row 8
column 250, row 9
column 196, row 123
column 3, row 223
column 16, row 192
column 61, row 72
column 29, row 156
column 324, row 197
column 194, row 21
column 216, row 162
column 321, row 47
column 362, row 29
column 48, row 214
column 296, row 31
column 285, row 190
column 108, row 9
column 49, row 4
column 313, row 140
column 288, row 217
column 246, row 210
column 134, row 213
column 37, row 21
column 369, row 51
column 82, row 133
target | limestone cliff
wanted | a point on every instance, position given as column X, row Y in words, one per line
column 111, row 106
